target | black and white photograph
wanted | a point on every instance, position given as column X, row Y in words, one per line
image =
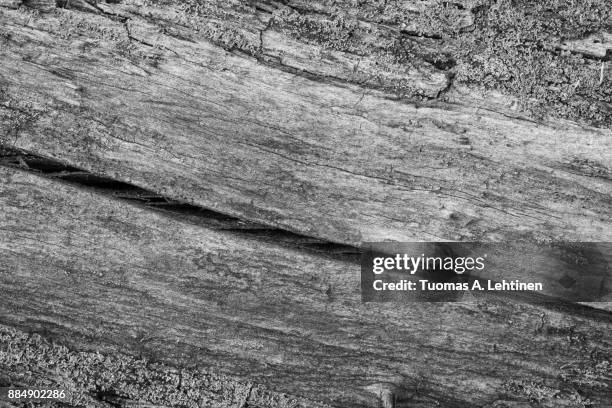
column 306, row 203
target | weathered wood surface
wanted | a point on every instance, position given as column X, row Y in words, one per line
column 92, row 379
column 350, row 123
column 338, row 120
column 102, row 276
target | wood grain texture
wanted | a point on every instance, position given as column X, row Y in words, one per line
column 338, row 120
column 230, row 108
column 101, row 276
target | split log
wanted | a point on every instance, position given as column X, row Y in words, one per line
column 99, row 275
